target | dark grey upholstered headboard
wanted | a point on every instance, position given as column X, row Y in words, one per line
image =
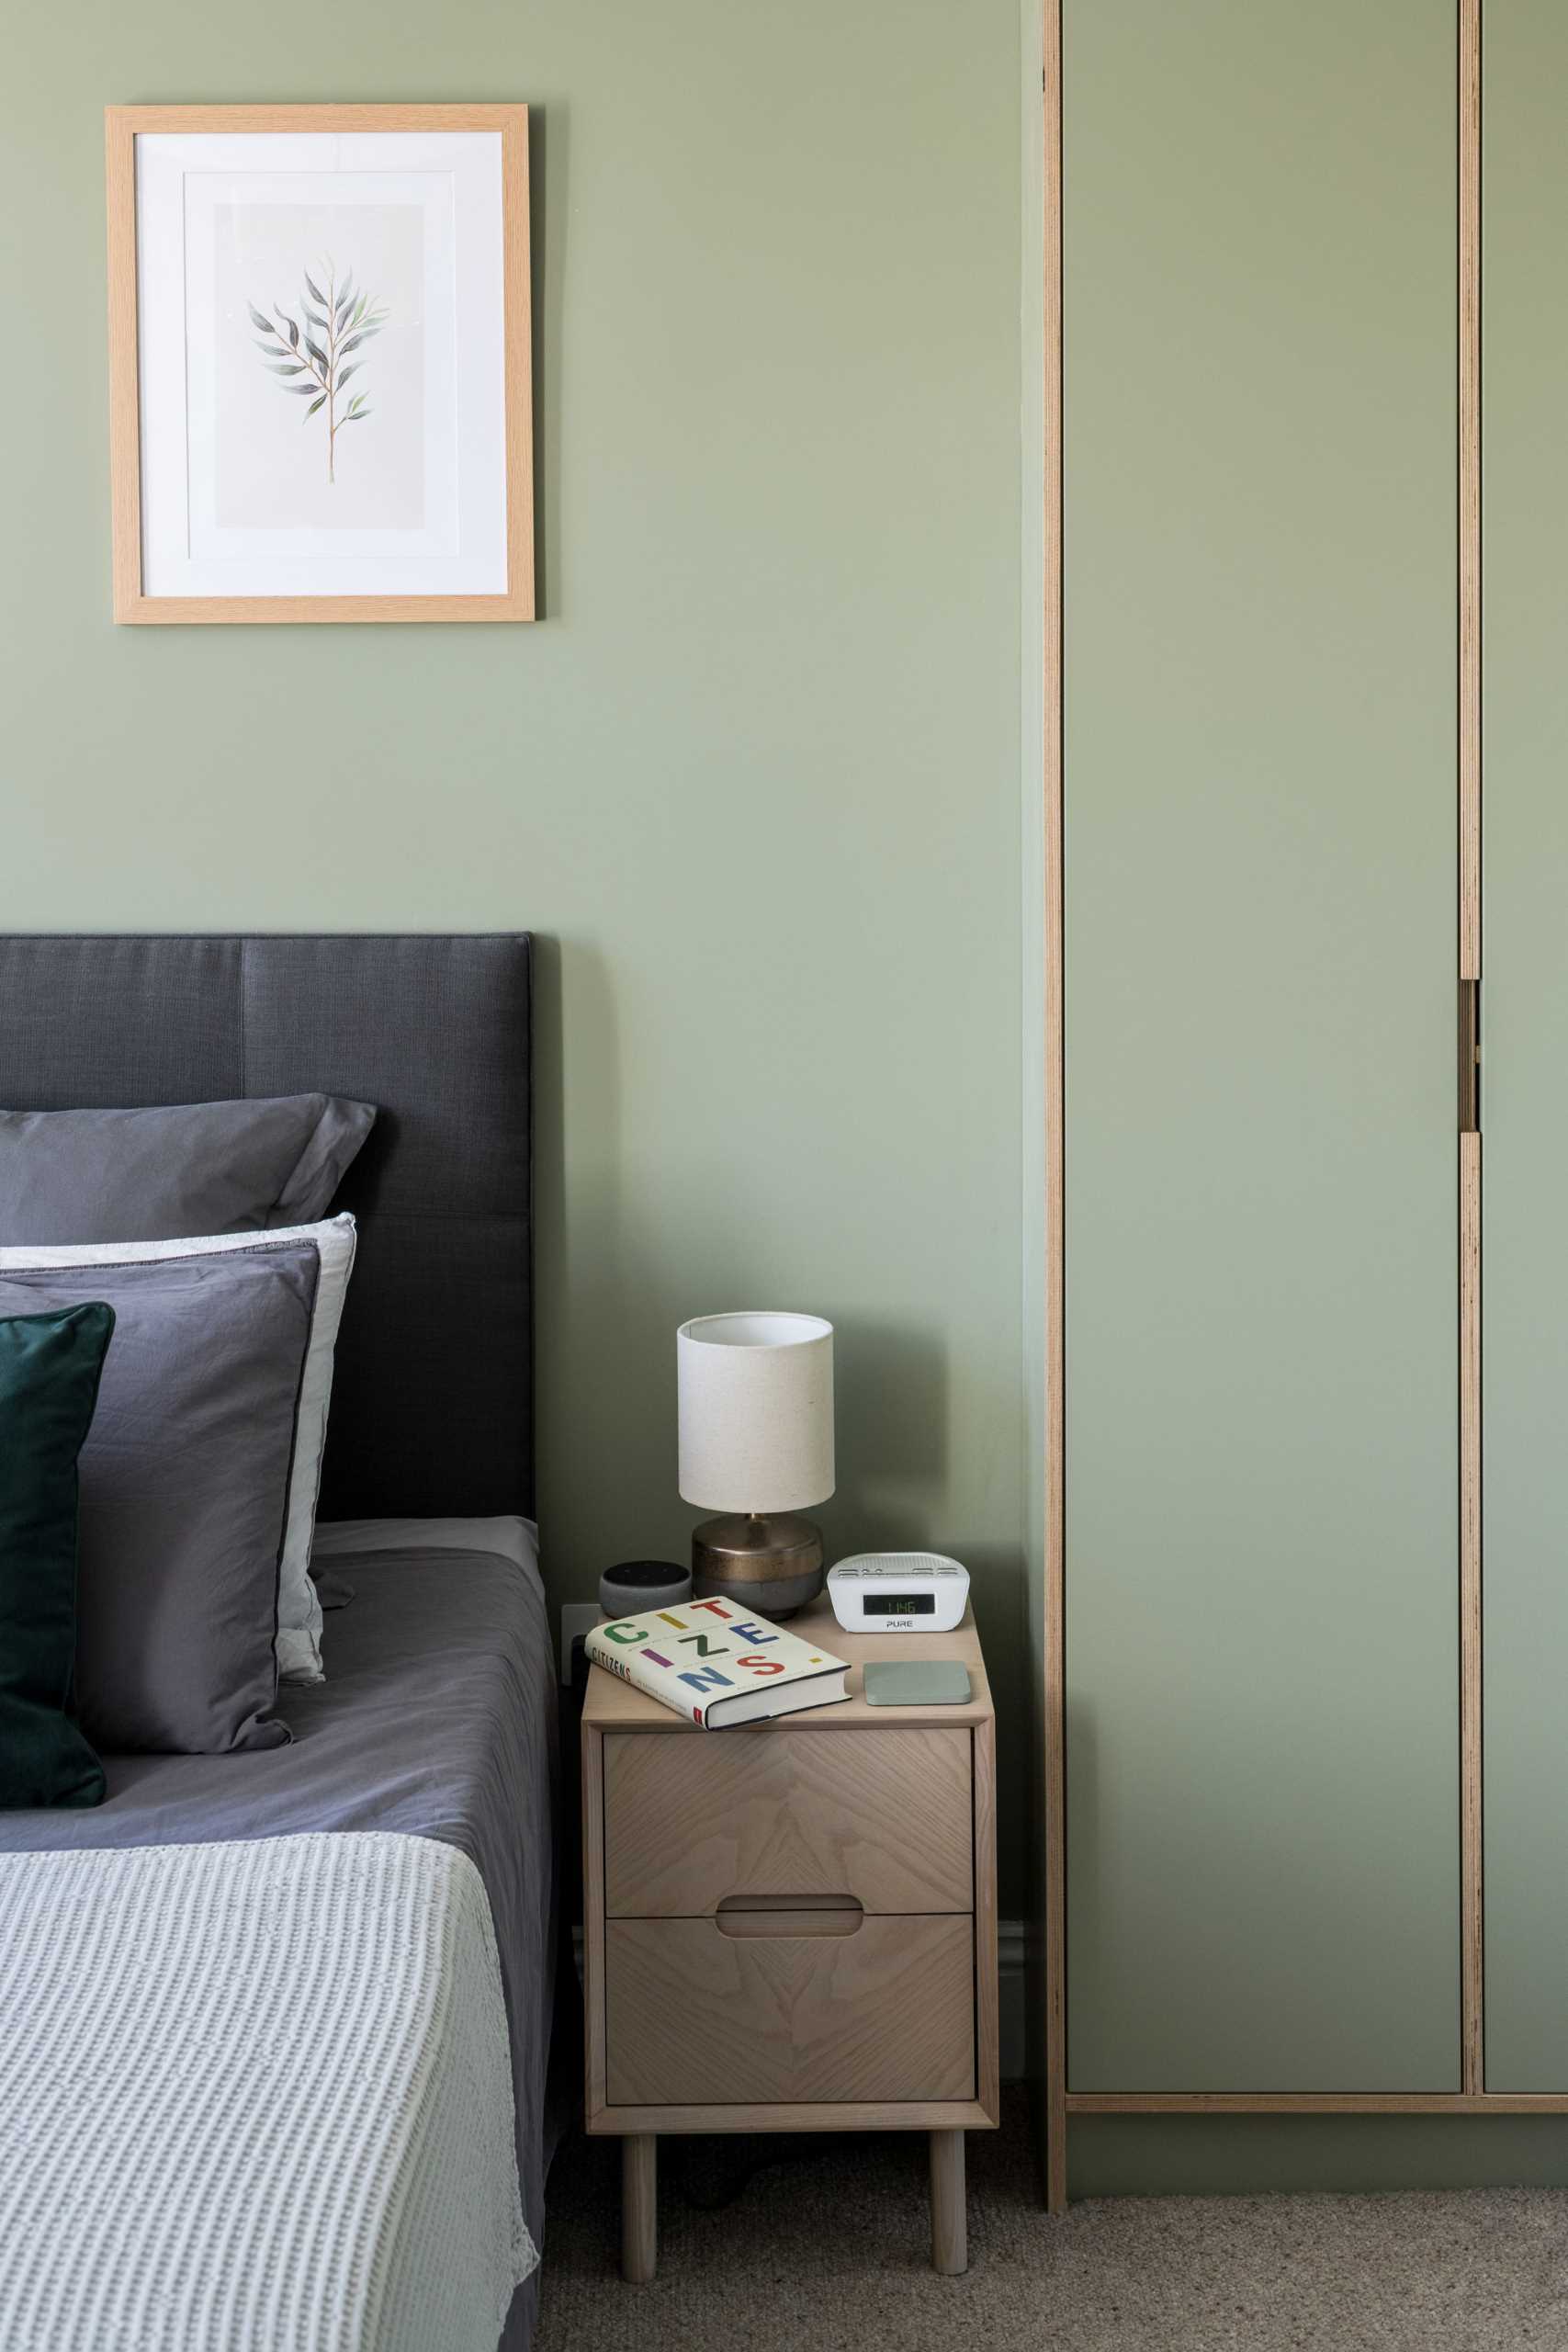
column 432, row 1399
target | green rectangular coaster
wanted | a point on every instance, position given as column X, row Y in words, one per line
column 912, row 1683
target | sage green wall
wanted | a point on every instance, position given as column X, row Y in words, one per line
column 754, row 776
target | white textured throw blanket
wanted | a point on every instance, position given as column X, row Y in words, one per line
column 254, row 2097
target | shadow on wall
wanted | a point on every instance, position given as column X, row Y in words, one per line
column 893, row 1417
column 891, row 1439
column 547, row 235
column 600, row 1414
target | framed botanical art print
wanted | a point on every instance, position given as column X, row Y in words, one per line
column 319, row 363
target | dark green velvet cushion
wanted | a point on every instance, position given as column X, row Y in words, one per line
column 48, row 1387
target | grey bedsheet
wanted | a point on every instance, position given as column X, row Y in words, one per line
column 438, row 1718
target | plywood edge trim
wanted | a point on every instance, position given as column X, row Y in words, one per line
column 1434, row 2103
column 1469, row 276
column 1055, row 1695
column 1472, row 2057
column 1473, row 1922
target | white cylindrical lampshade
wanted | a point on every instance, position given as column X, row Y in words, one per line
column 755, row 1411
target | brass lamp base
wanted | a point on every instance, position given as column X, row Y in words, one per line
column 769, row 1562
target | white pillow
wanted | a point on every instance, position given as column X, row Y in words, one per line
column 299, row 1610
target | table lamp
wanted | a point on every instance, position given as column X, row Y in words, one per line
column 756, row 1417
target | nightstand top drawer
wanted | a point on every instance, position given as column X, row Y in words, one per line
column 887, row 1819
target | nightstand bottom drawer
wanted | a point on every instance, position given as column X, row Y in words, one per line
column 697, row 2016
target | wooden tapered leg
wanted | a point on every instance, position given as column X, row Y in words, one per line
column 950, row 2232
column 639, row 2207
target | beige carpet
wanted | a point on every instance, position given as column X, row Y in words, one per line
column 832, row 2253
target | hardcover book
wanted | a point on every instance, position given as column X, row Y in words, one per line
column 717, row 1663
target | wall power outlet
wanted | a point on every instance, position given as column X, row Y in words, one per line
column 577, row 1617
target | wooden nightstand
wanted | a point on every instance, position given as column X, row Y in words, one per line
column 791, row 1925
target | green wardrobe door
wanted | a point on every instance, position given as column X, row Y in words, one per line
column 1261, row 1295
column 1524, row 1113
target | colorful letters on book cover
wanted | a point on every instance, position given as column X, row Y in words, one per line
column 701, row 1652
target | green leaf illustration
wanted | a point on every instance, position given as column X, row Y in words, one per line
column 338, row 324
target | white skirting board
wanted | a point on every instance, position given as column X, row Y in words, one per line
column 1009, row 1965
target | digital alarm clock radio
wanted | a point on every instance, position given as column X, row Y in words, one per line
column 898, row 1592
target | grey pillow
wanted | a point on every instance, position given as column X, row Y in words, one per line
column 161, row 1175
column 184, row 1490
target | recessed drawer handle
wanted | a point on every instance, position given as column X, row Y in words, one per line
column 789, row 1915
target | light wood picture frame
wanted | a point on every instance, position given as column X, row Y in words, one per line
column 223, row 508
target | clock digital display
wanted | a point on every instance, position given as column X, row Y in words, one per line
column 900, row 1604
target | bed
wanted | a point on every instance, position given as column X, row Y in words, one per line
column 412, row 1816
